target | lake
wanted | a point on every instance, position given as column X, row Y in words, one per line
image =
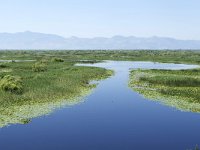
column 113, row 117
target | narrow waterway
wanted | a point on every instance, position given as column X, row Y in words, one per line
column 113, row 117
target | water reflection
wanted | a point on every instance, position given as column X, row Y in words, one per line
column 22, row 113
column 112, row 118
column 184, row 98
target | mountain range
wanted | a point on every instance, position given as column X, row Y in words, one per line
column 34, row 40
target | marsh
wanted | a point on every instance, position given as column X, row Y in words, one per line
column 110, row 116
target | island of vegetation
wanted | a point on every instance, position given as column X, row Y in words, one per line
column 179, row 89
column 30, row 89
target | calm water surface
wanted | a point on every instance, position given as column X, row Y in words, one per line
column 112, row 118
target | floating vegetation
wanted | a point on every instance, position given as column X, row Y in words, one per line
column 24, row 111
column 179, row 89
column 61, row 84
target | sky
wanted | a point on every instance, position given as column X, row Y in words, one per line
column 103, row 18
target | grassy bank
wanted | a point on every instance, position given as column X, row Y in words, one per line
column 177, row 56
column 44, row 85
column 180, row 89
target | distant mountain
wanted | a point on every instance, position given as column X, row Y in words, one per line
column 33, row 40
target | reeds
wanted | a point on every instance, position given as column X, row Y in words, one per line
column 180, row 88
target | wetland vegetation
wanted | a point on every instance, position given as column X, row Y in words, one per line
column 177, row 88
column 174, row 56
column 32, row 89
column 33, row 83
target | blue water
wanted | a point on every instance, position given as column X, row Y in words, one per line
column 113, row 117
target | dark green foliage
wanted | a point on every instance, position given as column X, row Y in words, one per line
column 3, row 65
column 11, row 84
column 25, row 121
column 167, row 80
column 57, row 59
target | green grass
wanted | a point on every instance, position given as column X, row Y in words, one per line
column 176, row 56
column 180, row 89
column 61, row 83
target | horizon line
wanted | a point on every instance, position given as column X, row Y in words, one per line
column 116, row 35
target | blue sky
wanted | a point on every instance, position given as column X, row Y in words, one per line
column 91, row 18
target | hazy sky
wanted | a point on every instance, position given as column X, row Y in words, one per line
column 89, row 18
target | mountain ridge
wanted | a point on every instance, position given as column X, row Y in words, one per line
column 35, row 40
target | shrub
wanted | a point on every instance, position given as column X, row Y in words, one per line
column 11, row 84
column 3, row 65
column 39, row 67
column 45, row 60
column 57, row 60
column 25, row 121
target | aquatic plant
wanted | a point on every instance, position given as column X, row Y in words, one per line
column 24, row 111
column 62, row 84
column 180, row 89
column 11, row 84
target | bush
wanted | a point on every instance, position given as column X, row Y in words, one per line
column 39, row 67
column 3, row 65
column 57, row 60
column 45, row 60
column 11, row 84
